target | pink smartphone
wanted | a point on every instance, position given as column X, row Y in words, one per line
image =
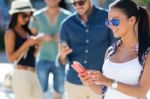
column 78, row 67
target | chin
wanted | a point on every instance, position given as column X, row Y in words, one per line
column 81, row 12
column 116, row 36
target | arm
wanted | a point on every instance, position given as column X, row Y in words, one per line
column 86, row 80
column 64, row 49
column 140, row 90
column 96, row 88
column 34, row 26
column 10, row 46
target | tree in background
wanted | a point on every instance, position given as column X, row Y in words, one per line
column 145, row 3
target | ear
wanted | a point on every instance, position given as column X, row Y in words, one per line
column 132, row 20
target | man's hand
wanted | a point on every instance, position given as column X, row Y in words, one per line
column 64, row 50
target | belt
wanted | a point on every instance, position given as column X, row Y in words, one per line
column 25, row 68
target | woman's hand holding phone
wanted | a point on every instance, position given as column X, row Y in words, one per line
column 82, row 73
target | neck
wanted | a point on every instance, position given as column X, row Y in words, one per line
column 84, row 18
column 52, row 10
column 130, row 41
column 18, row 26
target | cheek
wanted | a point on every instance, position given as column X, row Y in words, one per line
column 19, row 18
column 124, row 27
column 121, row 30
column 21, row 21
column 81, row 10
column 118, row 31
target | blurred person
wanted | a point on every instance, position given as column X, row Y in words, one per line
column 102, row 3
column 21, row 45
column 105, row 3
column 84, row 38
column 47, row 21
column 126, row 68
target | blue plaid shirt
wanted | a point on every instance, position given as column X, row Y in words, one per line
column 88, row 41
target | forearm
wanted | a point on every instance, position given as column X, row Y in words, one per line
column 132, row 90
column 138, row 90
column 62, row 60
column 20, row 51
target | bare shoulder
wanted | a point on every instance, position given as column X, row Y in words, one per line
column 9, row 33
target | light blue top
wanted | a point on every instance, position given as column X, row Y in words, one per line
column 41, row 22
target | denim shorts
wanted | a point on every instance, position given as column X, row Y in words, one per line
column 44, row 68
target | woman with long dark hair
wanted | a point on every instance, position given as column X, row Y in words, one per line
column 126, row 68
column 21, row 47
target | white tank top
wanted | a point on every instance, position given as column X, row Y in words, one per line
column 128, row 73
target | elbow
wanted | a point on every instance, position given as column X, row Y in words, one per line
column 142, row 93
column 11, row 59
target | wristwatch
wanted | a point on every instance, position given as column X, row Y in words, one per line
column 114, row 84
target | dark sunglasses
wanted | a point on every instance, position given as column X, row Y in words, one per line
column 80, row 2
column 115, row 22
column 24, row 15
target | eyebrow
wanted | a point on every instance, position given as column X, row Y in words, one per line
column 115, row 17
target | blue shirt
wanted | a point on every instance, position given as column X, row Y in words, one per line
column 88, row 41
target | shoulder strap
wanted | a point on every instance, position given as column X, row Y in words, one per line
column 112, row 49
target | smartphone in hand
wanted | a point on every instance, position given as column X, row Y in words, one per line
column 78, row 67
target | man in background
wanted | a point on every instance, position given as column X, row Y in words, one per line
column 85, row 39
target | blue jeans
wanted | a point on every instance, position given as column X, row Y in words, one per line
column 44, row 68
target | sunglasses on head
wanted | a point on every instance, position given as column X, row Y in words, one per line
column 80, row 2
column 114, row 21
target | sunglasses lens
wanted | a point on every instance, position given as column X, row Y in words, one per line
column 115, row 22
column 24, row 15
column 80, row 3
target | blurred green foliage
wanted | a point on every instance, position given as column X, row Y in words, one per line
column 143, row 2
column 1, row 39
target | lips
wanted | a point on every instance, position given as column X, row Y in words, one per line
column 114, row 31
column 80, row 9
